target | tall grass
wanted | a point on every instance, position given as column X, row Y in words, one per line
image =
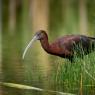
column 77, row 77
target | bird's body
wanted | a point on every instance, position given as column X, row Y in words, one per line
column 66, row 46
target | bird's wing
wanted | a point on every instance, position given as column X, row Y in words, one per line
column 68, row 43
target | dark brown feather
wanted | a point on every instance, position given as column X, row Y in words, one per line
column 67, row 45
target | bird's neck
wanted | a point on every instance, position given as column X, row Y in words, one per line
column 45, row 44
column 49, row 48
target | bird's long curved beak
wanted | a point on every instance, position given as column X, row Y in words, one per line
column 28, row 46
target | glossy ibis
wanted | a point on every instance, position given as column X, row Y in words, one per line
column 65, row 47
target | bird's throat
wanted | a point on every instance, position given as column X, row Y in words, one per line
column 45, row 45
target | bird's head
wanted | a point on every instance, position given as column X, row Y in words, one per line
column 38, row 36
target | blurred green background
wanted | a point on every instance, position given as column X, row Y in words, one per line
column 19, row 20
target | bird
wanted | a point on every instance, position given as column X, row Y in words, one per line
column 65, row 47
